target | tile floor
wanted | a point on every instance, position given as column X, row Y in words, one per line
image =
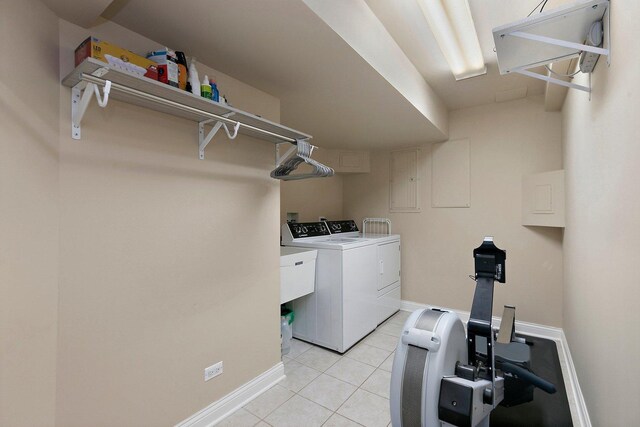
column 323, row 388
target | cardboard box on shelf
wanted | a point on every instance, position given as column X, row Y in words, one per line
column 97, row 49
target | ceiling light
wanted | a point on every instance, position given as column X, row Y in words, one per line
column 452, row 26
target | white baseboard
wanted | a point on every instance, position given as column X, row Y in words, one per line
column 571, row 382
column 217, row 411
column 578, row 407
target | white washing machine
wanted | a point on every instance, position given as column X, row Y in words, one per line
column 355, row 289
column 388, row 264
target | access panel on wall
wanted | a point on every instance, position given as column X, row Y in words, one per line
column 403, row 181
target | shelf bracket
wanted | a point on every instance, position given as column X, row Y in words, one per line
column 571, row 45
column 81, row 95
column 286, row 155
column 281, row 158
column 203, row 140
column 526, row 72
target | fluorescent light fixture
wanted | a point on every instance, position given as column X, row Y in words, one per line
column 453, row 28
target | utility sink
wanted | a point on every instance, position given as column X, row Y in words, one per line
column 297, row 272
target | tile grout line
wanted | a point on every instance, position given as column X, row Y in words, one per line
column 359, row 387
column 297, row 393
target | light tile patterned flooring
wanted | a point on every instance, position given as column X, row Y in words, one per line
column 323, row 388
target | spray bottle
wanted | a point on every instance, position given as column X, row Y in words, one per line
column 194, row 80
column 214, row 91
column 205, row 88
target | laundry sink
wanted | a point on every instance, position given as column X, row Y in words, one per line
column 297, row 272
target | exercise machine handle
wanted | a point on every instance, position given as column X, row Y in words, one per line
column 528, row 376
column 421, row 338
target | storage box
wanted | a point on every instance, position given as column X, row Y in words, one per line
column 167, row 63
column 97, row 49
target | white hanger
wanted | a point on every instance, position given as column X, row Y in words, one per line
column 303, row 155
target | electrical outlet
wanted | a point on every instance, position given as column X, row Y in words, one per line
column 212, row 371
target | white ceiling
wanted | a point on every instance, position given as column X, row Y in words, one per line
column 407, row 25
column 280, row 46
column 326, row 88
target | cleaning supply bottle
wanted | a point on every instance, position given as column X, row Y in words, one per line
column 214, row 91
column 286, row 335
column 194, row 80
column 182, row 70
column 205, row 88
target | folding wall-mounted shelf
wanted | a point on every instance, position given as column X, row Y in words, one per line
column 552, row 36
column 86, row 79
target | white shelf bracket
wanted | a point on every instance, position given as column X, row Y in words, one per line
column 286, row 155
column 584, row 14
column 281, row 158
column 80, row 100
column 79, row 104
column 204, row 140
column 571, row 45
column 528, row 73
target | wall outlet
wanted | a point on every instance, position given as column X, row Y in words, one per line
column 212, row 371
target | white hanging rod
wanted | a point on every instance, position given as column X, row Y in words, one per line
column 115, row 86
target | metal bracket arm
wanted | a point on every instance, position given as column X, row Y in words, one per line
column 285, row 156
column 203, row 140
column 553, row 80
column 558, row 42
column 280, row 159
column 80, row 100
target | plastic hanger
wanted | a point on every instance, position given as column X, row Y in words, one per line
column 303, row 155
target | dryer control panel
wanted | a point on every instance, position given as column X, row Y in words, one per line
column 308, row 229
column 345, row 226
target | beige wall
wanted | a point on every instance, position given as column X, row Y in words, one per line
column 28, row 214
column 602, row 236
column 164, row 269
column 507, row 141
column 127, row 264
column 312, row 199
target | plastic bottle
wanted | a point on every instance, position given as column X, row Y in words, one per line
column 182, row 70
column 194, row 80
column 205, row 88
column 286, row 333
column 214, row 91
